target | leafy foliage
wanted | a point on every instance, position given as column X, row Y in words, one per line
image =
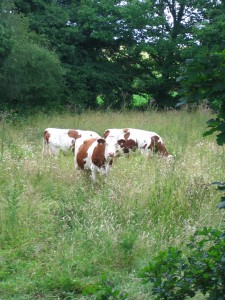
column 203, row 75
column 204, row 78
column 104, row 290
column 220, row 187
column 31, row 75
column 115, row 49
column 177, row 275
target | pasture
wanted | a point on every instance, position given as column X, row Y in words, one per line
column 65, row 237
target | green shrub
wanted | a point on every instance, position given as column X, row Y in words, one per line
column 176, row 275
column 104, row 289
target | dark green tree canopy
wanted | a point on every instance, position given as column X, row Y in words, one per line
column 203, row 74
column 31, row 75
column 115, row 49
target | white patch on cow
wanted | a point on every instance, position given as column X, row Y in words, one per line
column 60, row 141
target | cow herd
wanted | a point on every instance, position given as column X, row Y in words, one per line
column 96, row 153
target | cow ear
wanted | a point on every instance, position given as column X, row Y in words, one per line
column 105, row 134
column 121, row 142
column 101, row 141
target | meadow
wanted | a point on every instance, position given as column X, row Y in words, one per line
column 64, row 237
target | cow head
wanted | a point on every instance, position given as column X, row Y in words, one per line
column 157, row 145
column 103, row 154
column 127, row 145
column 112, row 148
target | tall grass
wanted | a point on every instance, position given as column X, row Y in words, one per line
column 60, row 234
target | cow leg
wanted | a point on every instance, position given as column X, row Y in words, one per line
column 44, row 149
column 54, row 151
column 93, row 173
column 76, row 165
column 145, row 152
column 108, row 166
column 47, row 150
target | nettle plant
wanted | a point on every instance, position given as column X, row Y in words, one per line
column 174, row 274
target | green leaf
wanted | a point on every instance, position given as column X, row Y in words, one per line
column 219, row 183
column 219, row 87
column 221, row 138
column 222, row 204
column 213, row 122
column 209, row 131
column 222, row 126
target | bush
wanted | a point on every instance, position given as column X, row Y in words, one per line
column 176, row 275
column 104, row 290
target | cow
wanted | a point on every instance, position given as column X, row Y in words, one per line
column 56, row 139
column 97, row 155
column 130, row 139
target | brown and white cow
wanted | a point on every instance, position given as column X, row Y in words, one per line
column 97, row 155
column 56, row 139
column 136, row 139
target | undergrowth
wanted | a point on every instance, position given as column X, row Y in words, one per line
column 63, row 237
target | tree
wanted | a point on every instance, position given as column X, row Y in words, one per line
column 91, row 44
column 31, row 75
column 167, row 35
column 203, row 76
column 115, row 49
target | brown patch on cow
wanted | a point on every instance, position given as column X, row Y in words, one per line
column 128, row 145
column 131, row 144
column 157, row 146
column 106, row 134
column 98, row 155
column 74, row 134
column 145, row 145
column 125, row 130
column 46, row 136
column 121, row 142
column 82, row 152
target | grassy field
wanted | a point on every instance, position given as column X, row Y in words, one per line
column 63, row 237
